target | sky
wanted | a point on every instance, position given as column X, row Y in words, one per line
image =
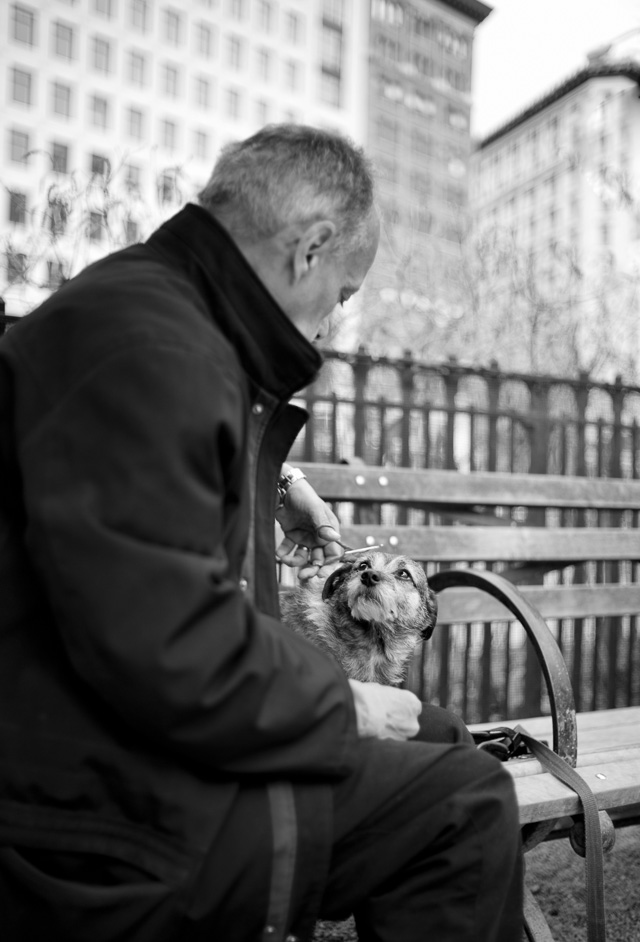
column 526, row 47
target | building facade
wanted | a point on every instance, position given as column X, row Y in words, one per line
column 562, row 178
column 421, row 55
column 112, row 111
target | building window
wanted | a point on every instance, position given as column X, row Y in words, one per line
column 170, row 80
column 131, row 231
column 204, row 40
column 330, row 89
column 264, row 62
column 140, row 15
column 18, row 147
column 201, row 144
column 61, row 99
column 457, row 119
column 17, row 208
column 23, row 24
column 233, row 103
column 236, row 9
column 132, row 177
column 235, row 53
column 62, row 40
column 103, row 7
column 135, row 123
column 16, row 267
column 265, row 16
column 293, row 28
column 59, row 157
column 21, row 90
column 137, row 69
column 169, row 134
column 56, row 273
column 97, row 226
column 100, row 166
column 331, row 50
column 57, row 216
column 167, row 188
column 389, row 11
column 293, row 75
column 99, row 111
column 203, row 92
column 101, row 54
column 173, row 27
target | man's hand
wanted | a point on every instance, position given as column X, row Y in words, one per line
column 311, row 531
column 385, row 712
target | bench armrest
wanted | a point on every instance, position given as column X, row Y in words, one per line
column 554, row 668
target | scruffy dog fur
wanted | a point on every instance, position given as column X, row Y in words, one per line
column 369, row 615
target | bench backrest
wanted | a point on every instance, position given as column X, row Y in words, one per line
column 523, row 525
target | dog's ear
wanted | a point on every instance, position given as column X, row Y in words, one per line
column 431, row 608
column 335, row 579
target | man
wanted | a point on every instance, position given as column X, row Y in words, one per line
column 175, row 764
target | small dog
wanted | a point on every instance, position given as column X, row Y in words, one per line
column 369, row 615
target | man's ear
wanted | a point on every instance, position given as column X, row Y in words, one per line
column 316, row 240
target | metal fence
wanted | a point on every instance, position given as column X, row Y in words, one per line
column 404, row 413
column 408, row 414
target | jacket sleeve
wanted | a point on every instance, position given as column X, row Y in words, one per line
column 125, row 480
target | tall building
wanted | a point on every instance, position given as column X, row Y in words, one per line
column 421, row 54
column 112, row 111
column 562, row 178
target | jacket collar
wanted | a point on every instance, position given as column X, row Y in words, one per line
column 272, row 350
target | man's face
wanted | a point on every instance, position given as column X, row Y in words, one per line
column 330, row 279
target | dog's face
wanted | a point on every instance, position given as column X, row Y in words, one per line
column 369, row 614
column 382, row 590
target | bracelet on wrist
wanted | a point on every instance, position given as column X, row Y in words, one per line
column 285, row 481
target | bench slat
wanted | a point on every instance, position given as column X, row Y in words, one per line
column 465, row 544
column 407, row 485
column 596, row 729
column 565, row 601
column 543, row 798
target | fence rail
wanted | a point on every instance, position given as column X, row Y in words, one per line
column 404, row 413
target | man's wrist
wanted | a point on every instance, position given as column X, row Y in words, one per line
column 286, row 480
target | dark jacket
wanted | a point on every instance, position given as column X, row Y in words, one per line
column 143, row 420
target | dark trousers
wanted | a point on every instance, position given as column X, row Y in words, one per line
column 433, row 852
column 425, row 847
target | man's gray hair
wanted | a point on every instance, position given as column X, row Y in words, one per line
column 289, row 173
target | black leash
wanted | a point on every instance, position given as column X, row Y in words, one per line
column 549, row 760
column 506, row 743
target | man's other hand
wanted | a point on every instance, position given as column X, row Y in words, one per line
column 385, row 712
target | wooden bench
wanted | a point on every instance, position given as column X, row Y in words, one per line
column 532, row 528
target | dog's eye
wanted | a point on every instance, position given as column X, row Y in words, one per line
column 362, row 566
column 404, row 574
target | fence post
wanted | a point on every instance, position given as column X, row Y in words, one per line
column 493, row 396
column 536, row 517
column 451, row 380
column 407, row 374
column 361, row 364
column 539, row 427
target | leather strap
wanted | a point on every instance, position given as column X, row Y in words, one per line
column 596, row 926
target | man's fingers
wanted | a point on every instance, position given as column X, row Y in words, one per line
column 291, row 553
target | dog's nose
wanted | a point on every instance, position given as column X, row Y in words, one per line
column 370, row 577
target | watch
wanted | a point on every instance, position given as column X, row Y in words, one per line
column 285, row 481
